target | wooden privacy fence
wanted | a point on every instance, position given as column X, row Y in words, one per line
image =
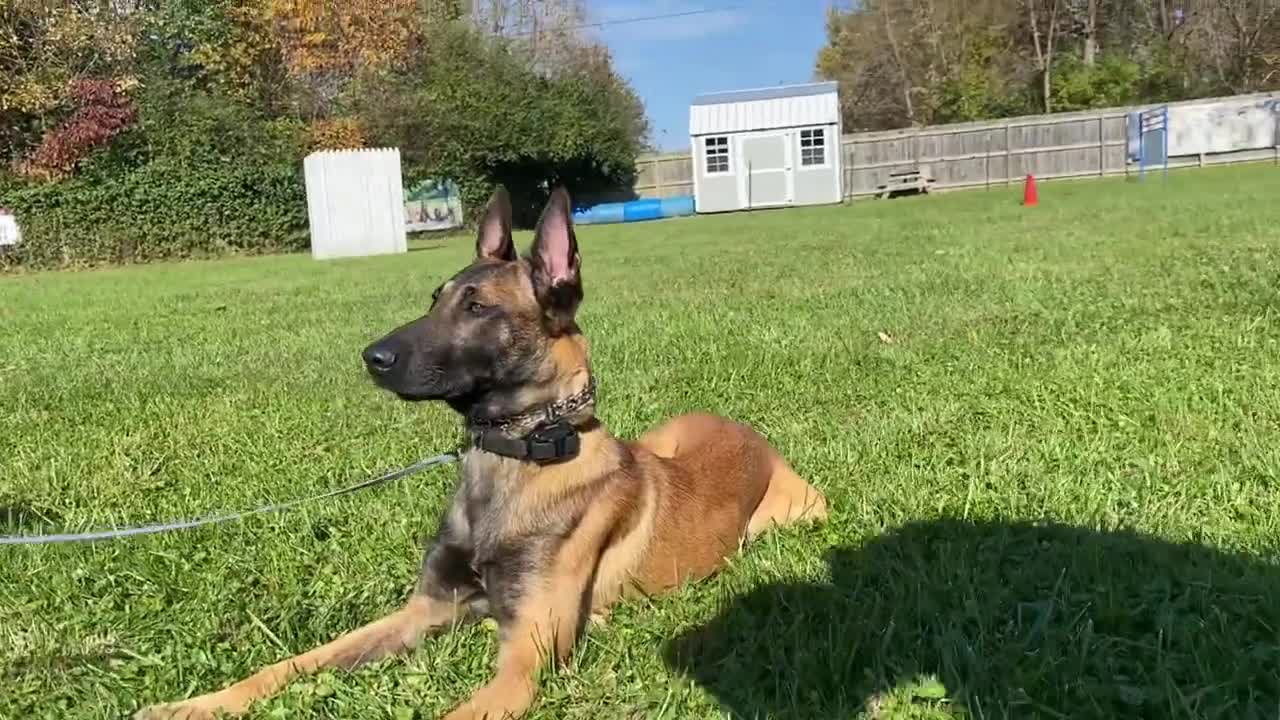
column 667, row 175
column 983, row 154
column 978, row 154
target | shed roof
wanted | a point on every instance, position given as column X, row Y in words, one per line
column 765, row 108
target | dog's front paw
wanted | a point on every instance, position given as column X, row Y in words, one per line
column 469, row 712
column 205, row 707
column 491, row 703
column 462, row 712
column 472, row 711
column 174, row 711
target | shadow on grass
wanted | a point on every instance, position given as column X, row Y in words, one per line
column 1014, row 620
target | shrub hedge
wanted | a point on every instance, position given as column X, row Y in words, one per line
column 158, row 211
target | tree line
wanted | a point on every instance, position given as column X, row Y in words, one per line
column 136, row 129
column 905, row 63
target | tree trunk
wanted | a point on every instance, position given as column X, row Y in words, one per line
column 1048, row 55
column 1091, row 33
column 897, row 59
column 1044, row 49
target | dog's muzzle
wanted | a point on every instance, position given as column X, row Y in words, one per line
column 396, row 368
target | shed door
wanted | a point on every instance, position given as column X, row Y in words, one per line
column 766, row 159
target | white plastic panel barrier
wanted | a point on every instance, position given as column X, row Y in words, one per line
column 355, row 203
column 1222, row 127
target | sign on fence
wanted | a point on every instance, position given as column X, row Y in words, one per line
column 1153, row 140
column 355, row 203
column 433, row 204
column 1221, row 127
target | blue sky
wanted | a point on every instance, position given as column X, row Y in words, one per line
column 750, row 44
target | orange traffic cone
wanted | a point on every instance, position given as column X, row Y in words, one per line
column 1030, row 198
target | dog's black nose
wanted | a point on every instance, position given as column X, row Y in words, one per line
column 380, row 358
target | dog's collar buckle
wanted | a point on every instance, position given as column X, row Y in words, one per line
column 552, row 443
column 558, row 441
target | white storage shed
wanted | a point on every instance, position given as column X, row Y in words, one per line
column 772, row 147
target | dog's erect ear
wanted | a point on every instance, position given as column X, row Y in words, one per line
column 556, row 266
column 494, row 239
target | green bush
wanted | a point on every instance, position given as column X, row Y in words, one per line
column 181, row 124
column 198, row 176
column 159, row 211
column 1111, row 82
column 978, row 86
column 470, row 110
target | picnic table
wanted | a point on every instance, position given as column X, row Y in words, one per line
column 913, row 181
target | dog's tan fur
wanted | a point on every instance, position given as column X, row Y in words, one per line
column 642, row 516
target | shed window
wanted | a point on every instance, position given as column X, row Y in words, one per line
column 717, row 149
column 813, row 147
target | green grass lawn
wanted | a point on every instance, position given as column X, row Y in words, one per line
column 1055, row 480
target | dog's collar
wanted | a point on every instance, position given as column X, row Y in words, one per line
column 553, row 438
column 547, row 444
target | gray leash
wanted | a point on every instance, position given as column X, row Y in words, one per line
column 213, row 520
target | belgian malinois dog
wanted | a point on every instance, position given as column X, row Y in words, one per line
column 554, row 519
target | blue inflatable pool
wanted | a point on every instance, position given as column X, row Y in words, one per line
column 635, row 210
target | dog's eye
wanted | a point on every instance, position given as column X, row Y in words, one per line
column 475, row 308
